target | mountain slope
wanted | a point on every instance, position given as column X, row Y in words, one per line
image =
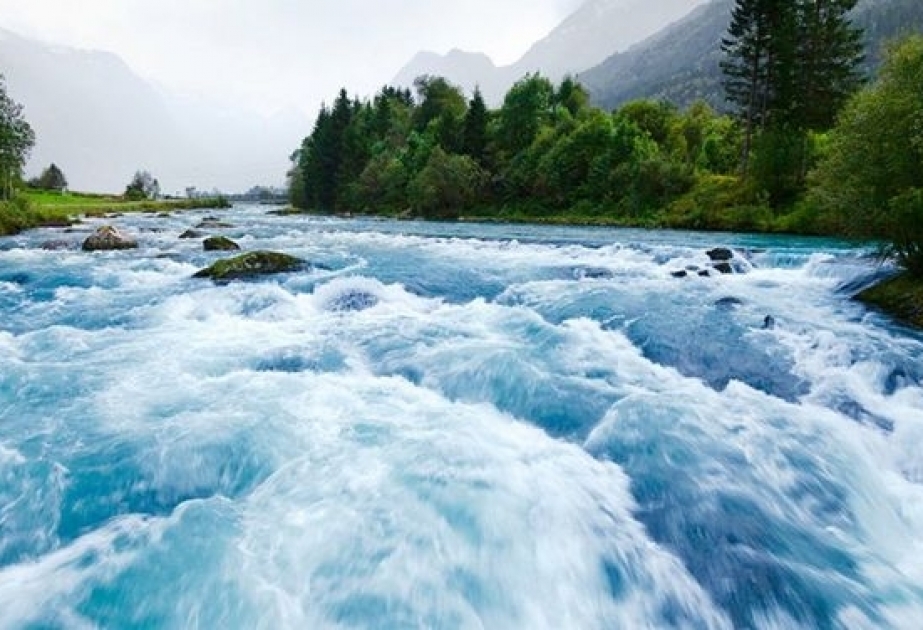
column 588, row 36
column 595, row 31
column 100, row 123
column 682, row 63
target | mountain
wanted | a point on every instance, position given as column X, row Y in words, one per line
column 681, row 63
column 596, row 30
column 100, row 122
column 592, row 33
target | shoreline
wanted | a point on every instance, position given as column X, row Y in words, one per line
column 32, row 211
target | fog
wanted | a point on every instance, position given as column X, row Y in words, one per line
column 232, row 84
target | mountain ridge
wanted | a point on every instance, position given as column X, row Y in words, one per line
column 587, row 36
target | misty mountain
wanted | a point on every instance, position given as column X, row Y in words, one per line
column 100, row 122
column 681, row 63
column 596, row 30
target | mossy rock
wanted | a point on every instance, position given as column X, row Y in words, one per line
column 220, row 244
column 251, row 265
column 900, row 297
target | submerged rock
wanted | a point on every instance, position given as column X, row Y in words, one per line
column 220, row 244
column 56, row 245
column 728, row 302
column 109, row 238
column 213, row 223
column 353, row 300
column 723, row 267
column 769, row 323
column 682, row 273
column 250, row 265
column 592, row 273
column 192, row 234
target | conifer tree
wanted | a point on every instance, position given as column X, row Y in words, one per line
column 475, row 128
column 746, row 67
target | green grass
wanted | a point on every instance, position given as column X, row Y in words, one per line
column 36, row 208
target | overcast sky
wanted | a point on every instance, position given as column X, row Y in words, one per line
column 273, row 54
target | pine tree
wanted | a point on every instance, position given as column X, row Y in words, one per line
column 790, row 65
column 829, row 58
column 746, row 67
column 475, row 129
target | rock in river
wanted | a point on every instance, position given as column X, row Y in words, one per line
column 109, row 238
column 250, row 265
column 220, row 244
column 720, row 254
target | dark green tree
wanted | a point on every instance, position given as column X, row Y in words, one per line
column 447, row 185
column 441, row 112
column 746, row 67
column 16, row 141
column 52, row 178
column 829, row 56
column 571, row 96
column 475, row 129
column 526, row 108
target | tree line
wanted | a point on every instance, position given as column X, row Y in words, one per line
column 435, row 153
column 789, row 154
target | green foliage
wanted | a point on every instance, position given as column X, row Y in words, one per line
column 16, row 141
column 871, row 177
column 474, row 134
column 142, row 186
column 526, row 108
column 52, row 178
column 447, row 185
column 789, row 66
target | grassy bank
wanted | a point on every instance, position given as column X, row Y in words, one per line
column 901, row 297
column 32, row 209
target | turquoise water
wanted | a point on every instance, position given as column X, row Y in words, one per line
column 455, row 426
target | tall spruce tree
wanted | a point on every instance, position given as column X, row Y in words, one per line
column 746, row 67
column 790, row 65
column 829, row 57
column 475, row 129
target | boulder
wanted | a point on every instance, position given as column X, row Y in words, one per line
column 213, row 223
column 220, row 244
column 250, row 265
column 723, row 267
column 108, row 238
column 720, row 254
column 682, row 273
column 192, row 234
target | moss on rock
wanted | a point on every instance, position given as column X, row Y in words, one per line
column 250, row 265
column 901, row 297
column 220, row 244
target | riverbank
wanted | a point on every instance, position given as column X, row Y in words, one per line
column 33, row 209
column 900, row 297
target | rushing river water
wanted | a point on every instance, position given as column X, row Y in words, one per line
column 455, row 426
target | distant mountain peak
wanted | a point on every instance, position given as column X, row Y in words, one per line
column 589, row 35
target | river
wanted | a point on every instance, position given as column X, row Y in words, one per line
column 455, row 426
